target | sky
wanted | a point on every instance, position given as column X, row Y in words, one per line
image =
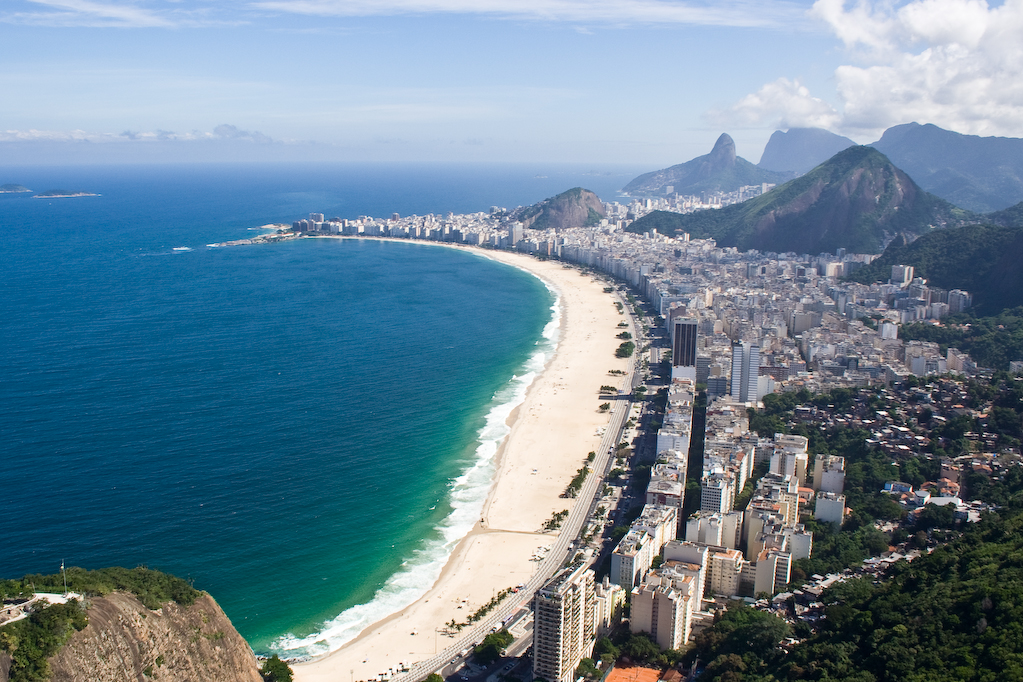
column 577, row 81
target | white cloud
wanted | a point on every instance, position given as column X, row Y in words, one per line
column 954, row 63
column 108, row 14
column 782, row 104
column 221, row 132
column 731, row 13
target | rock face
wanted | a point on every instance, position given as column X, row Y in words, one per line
column 719, row 171
column 126, row 641
column 800, row 149
column 577, row 207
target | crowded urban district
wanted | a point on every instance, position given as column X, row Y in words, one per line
column 786, row 441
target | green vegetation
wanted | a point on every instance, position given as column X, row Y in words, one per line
column 990, row 341
column 31, row 641
column 624, row 335
column 625, row 350
column 608, row 389
column 576, row 207
column 151, row 587
column 981, row 259
column 740, row 645
column 639, row 648
column 492, row 647
column 275, row 670
column 953, row 614
column 433, row 677
column 604, row 407
column 822, row 210
column 554, row 522
column 576, row 484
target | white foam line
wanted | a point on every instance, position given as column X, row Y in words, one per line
column 469, row 492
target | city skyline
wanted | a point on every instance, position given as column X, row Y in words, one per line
column 636, row 81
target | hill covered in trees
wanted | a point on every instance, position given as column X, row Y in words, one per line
column 981, row 259
column 856, row 200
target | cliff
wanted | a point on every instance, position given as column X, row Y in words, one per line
column 124, row 640
column 576, row 207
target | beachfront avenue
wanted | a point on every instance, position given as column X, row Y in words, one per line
column 563, row 548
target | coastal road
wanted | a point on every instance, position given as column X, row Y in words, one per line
column 560, row 550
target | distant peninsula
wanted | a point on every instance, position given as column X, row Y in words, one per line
column 13, row 189
column 63, row 193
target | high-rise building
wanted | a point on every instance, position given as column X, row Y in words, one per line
column 563, row 623
column 745, row 372
column 902, row 275
column 683, row 348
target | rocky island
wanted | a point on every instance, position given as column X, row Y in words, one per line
column 13, row 189
column 62, row 194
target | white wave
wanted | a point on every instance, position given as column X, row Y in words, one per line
column 469, row 492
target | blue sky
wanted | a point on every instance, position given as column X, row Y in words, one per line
column 630, row 81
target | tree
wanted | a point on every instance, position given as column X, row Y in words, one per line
column 275, row 670
column 492, row 647
column 433, row 677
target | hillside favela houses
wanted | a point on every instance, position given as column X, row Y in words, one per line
column 743, row 325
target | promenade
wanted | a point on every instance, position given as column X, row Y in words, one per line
column 551, row 434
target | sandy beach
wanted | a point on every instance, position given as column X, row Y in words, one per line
column 552, row 432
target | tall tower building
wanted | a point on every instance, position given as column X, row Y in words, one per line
column 745, row 372
column 563, row 623
column 683, row 349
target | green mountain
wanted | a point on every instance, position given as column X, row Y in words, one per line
column 719, row 171
column 978, row 173
column 982, row 259
column 856, row 200
column 1009, row 217
column 576, row 207
column 800, row 149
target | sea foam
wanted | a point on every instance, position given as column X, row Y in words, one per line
column 468, row 494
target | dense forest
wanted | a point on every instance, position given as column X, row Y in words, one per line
column 953, row 614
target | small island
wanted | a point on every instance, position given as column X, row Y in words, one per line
column 13, row 189
column 63, row 193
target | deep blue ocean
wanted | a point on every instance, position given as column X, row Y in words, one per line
column 303, row 429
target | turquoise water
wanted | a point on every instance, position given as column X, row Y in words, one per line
column 303, row 429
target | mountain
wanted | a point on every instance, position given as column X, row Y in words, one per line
column 1009, row 217
column 855, row 200
column 719, row 171
column 982, row 259
column 801, row 149
column 576, row 207
column 135, row 624
column 980, row 174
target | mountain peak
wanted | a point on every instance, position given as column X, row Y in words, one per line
column 719, row 171
column 856, row 200
column 724, row 149
column 800, row 149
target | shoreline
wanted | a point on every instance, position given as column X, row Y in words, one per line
column 550, row 433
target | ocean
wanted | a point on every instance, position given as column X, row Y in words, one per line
column 304, row 429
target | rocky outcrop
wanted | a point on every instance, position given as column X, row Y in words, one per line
column 126, row 641
column 576, row 207
column 719, row 171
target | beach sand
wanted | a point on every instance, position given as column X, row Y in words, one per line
column 551, row 434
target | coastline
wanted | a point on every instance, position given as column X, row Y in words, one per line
column 550, row 433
